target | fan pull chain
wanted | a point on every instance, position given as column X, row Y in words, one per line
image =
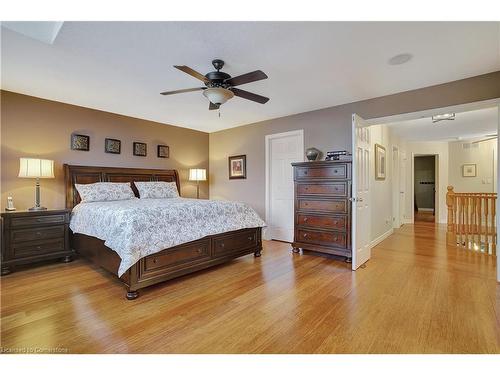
column 219, row 112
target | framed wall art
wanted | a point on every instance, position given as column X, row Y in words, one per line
column 80, row 142
column 380, row 162
column 469, row 170
column 163, row 151
column 112, row 146
column 237, row 167
column 140, row 149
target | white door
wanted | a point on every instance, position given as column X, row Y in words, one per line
column 396, row 218
column 361, row 220
column 402, row 187
column 281, row 151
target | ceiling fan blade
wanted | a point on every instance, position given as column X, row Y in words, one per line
column 484, row 140
column 181, row 91
column 250, row 96
column 213, row 106
column 192, row 72
column 246, row 78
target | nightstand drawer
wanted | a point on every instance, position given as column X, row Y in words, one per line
column 38, row 220
column 33, row 248
column 40, row 233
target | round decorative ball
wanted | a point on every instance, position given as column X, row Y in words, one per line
column 312, row 153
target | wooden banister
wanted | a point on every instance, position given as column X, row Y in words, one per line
column 472, row 220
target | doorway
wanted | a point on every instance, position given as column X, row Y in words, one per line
column 282, row 150
column 424, row 188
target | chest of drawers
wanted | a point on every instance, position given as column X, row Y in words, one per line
column 322, row 207
column 32, row 236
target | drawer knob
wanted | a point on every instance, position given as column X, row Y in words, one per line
column 199, row 251
column 305, row 235
column 250, row 238
column 38, row 247
column 38, row 233
column 38, row 220
column 306, row 188
column 305, row 172
column 335, row 222
column 305, row 219
column 222, row 244
column 155, row 260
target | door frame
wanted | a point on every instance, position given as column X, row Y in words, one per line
column 436, row 186
column 396, row 183
column 300, row 132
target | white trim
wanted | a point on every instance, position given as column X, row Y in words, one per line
column 382, row 237
column 425, row 209
column 300, row 132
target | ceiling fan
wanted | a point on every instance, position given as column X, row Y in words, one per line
column 220, row 86
column 488, row 137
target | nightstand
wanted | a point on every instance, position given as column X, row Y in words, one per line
column 33, row 236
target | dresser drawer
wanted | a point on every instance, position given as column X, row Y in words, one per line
column 38, row 220
column 340, row 171
column 323, row 188
column 34, row 248
column 326, row 222
column 321, row 238
column 41, row 233
column 234, row 243
column 330, row 205
column 199, row 250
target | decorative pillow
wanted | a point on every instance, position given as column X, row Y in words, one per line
column 105, row 191
column 157, row 189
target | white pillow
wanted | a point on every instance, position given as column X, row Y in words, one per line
column 105, row 191
column 157, row 189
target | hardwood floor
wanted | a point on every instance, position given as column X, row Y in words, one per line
column 425, row 216
column 414, row 296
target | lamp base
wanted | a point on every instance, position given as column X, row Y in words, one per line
column 37, row 209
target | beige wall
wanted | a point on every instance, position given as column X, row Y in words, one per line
column 484, row 156
column 326, row 129
column 34, row 127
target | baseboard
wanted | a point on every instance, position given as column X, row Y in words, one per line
column 382, row 237
column 266, row 234
column 426, row 209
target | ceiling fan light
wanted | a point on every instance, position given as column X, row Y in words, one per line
column 218, row 95
column 444, row 116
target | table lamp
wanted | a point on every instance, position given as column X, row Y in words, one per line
column 36, row 168
column 197, row 175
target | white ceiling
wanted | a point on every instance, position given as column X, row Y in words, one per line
column 122, row 67
column 466, row 126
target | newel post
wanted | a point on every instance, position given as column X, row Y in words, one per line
column 451, row 237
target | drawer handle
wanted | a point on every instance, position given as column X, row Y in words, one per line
column 38, row 233
column 155, row 260
column 38, row 247
column 305, row 204
column 250, row 238
column 305, row 235
column 38, row 220
column 222, row 244
column 306, row 188
column 305, row 172
column 335, row 222
column 199, row 251
column 305, row 219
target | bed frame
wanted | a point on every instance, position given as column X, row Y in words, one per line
column 168, row 263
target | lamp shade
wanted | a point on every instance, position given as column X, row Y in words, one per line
column 36, row 168
column 218, row 95
column 197, row 175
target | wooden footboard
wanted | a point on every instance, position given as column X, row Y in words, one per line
column 172, row 262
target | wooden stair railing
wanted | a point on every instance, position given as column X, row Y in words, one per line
column 472, row 221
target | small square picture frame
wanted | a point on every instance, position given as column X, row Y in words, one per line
column 469, row 170
column 140, row 149
column 237, row 167
column 112, row 146
column 163, row 151
column 80, row 142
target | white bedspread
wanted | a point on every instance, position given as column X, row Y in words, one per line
column 139, row 227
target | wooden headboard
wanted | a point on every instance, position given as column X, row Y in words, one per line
column 79, row 174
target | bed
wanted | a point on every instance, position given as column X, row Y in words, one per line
column 162, row 264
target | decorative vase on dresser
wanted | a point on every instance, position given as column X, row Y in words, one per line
column 323, row 207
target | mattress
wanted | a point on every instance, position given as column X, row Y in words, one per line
column 137, row 228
